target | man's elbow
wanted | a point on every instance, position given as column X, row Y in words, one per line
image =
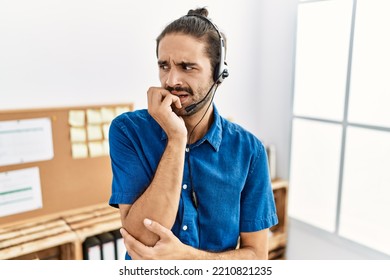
column 136, row 228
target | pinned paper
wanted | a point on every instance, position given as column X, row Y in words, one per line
column 94, row 116
column 20, row 191
column 106, row 148
column 76, row 118
column 79, row 150
column 121, row 109
column 107, row 115
column 106, row 130
column 96, row 149
column 94, row 132
column 89, row 130
column 27, row 140
column 78, row 134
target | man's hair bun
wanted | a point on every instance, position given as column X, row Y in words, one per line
column 198, row 12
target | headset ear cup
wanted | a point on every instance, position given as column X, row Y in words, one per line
column 220, row 73
column 225, row 72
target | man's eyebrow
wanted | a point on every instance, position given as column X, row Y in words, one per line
column 162, row 62
column 184, row 63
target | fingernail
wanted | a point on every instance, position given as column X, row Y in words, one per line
column 147, row 222
column 121, row 231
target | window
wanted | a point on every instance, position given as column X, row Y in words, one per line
column 340, row 147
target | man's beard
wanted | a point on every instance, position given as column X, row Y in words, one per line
column 186, row 89
column 182, row 111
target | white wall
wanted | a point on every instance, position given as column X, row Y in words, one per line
column 85, row 52
column 276, row 21
column 60, row 53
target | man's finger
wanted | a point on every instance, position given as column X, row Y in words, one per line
column 156, row 228
column 156, row 95
column 133, row 245
column 171, row 99
column 176, row 101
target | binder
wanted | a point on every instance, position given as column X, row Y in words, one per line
column 120, row 248
column 91, row 249
column 107, row 246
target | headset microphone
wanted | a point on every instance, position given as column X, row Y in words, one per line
column 193, row 106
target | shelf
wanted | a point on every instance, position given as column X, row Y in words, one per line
column 278, row 233
column 60, row 236
column 277, row 240
column 63, row 234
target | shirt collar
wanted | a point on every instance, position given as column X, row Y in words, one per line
column 213, row 135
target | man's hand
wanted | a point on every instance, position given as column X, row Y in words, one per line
column 160, row 102
column 169, row 247
column 254, row 245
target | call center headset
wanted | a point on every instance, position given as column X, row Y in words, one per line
column 220, row 73
column 221, row 70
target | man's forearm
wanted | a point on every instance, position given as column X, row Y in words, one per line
column 160, row 200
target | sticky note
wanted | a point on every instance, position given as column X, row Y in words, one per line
column 78, row 134
column 76, row 118
column 95, row 149
column 106, row 130
column 79, row 150
column 121, row 109
column 107, row 114
column 94, row 132
column 94, row 116
column 106, row 148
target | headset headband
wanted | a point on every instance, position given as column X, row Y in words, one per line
column 221, row 70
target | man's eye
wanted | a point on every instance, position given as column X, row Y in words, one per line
column 187, row 67
column 164, row 67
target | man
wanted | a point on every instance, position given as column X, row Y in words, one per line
column 189, row 183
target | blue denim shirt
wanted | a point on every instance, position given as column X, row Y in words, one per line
column 229, row 174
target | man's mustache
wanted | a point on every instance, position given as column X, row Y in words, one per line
column 186, row 89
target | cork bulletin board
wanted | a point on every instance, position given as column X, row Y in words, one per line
column 77, row 173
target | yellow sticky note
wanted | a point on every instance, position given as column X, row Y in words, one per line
column 121, row 109
column 106, row 130
column 94, row 132
column 76, row 118
column 95, row 149
column 79, row 150
column 78, row 134
column 106, row 148
column 94, row 116
column 107, row 114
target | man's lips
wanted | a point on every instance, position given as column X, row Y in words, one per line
column 183, row 95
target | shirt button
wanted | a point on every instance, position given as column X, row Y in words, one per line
column 187, row 149
column 185, row 228
column 185, row 186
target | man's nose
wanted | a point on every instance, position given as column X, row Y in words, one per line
column 174, row 78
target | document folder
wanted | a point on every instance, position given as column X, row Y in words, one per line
column 107, row 246
column 91, row 249
column 120, row 249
